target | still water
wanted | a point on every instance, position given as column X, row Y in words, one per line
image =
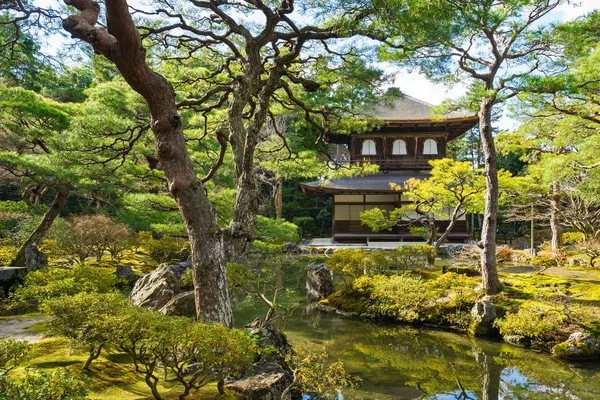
column 400, row 362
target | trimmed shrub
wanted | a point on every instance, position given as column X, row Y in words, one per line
column 446, row 300
column 164, row 249
column 12, row 353
column 49, row 283
column 543, row 261
column 62, row 384
column 358, row 262
column 540, row 328
column 81, row 319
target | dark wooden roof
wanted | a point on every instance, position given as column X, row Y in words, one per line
column 410, row 115
column 378, row 183
column 407, row 108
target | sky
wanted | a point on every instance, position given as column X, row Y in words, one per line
column 416, row 85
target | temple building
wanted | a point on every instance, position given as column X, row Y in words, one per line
column 409, row 137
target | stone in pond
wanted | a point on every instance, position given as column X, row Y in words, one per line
column 319, row 283
column 579, row 346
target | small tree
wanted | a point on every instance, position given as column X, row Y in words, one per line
column 314, row 375
column 453, row 189
column 80, row 318
column 196, row 355
column 12, row 353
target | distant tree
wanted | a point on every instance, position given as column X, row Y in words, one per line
column 559, row 132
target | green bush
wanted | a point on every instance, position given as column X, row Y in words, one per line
column 570, row 238
column 62, row 384
column 165, row 347
column 358, row 262
column 164, row 249
column 275, row 231
column 55, row 282
column 543, row 261
column 397, row 297
column 446, row 300
column 81, row 319
column 541, row 328
column 12, row 353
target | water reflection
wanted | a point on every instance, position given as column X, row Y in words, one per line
column 407, row 363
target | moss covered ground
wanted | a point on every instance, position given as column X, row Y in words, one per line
column 113, row 375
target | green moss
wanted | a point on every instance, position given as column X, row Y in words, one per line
column 113, row 375
column 583, row 352
column 41, row 328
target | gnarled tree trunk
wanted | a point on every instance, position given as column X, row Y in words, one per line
column 42, row 229
column 489, row 270
column 122, row 45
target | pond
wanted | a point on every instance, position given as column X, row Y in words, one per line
column 402, row 362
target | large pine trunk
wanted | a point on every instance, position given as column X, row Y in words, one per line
column 208, row 260
column 555, row 220
column 44, row 226
column 489, row 270
column 121, row 43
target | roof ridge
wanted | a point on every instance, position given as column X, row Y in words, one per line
column 419, row 100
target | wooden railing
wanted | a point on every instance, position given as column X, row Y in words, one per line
column 398, row 162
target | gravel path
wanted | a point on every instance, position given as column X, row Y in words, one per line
column 16, row 328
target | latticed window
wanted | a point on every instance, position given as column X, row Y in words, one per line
column 368, row 148
column 430, row 147
column 399, row 147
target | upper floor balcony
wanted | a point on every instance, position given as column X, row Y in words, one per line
column 398, row 162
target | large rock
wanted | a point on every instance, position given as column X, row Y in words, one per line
column 268, row 383
column 35, row 259
column 319, row 283
column 155, row 290
column 483, row 315
column 579, row 346
column 271, row 373
column 182, row 305
column 269, row 337
column 179, row 269
column 9, row 276
column 125, row 272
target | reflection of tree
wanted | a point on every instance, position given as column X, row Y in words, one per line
column 492, row 373
column 437, row 363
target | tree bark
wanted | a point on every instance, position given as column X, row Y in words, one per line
column 489, row 270
column 40, row 231
column 121, row 44
column 555, row 219
column 278, row 199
